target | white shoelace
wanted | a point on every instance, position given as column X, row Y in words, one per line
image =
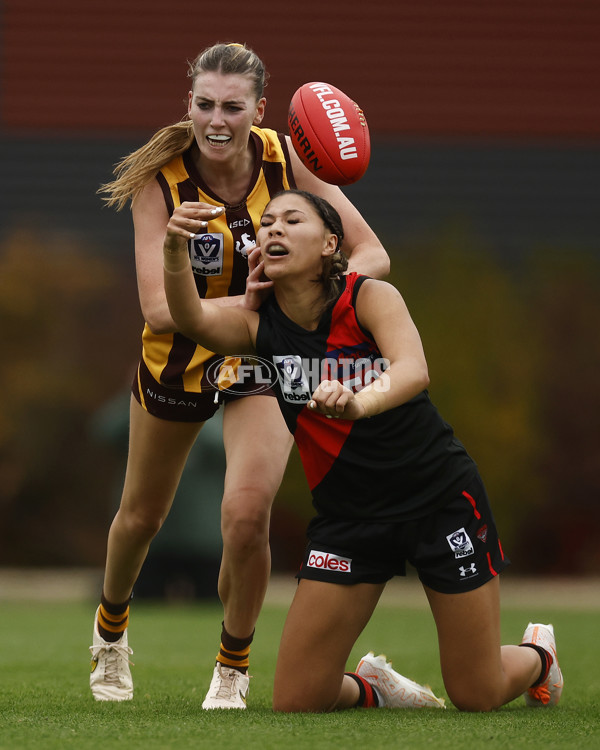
column 117, row 659
column 227, row 684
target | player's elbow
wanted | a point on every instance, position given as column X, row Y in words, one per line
column 376, row 264
column 383, row 266
column 160, row 324
column 420, row 376
column 157, row 316
column 369, row 258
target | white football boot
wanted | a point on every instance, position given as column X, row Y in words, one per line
column 394, row 690
column 228, row 689
column 110, row 677
column 549, row 692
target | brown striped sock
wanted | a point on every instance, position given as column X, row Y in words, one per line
column 113, row 619
column 234, row 652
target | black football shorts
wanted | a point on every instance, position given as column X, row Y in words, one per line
column 453, row 549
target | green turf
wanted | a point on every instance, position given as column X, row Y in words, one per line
column 45, row 702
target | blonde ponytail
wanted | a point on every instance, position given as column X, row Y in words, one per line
column 137, row 169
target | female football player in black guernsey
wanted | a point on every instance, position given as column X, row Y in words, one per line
column 390, row 482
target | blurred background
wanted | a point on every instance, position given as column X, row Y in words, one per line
column 483, row 185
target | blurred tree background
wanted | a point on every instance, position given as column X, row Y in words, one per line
column 483, row 185
column 68, row 330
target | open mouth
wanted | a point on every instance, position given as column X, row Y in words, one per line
column 276, row 251
column 218, row 140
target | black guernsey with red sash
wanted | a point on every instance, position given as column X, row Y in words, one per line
column 395, row 466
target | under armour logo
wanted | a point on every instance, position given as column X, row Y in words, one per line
column 467, row 572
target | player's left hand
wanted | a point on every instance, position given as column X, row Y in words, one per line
column 336, row 401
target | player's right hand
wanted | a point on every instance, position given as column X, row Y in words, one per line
column 188, row 220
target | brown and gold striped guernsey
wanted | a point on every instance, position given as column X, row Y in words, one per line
column 219, row 256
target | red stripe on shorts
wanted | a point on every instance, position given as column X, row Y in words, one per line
column 474, row 504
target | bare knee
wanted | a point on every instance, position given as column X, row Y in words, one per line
column 295, row 703
column 288, row 706
column 140, row 525
column 298, row 687
column 474, row 699
column 245, row 520
column 294, row 707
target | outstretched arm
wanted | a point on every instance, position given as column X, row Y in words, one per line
column 225, row 330
column 365, row 252
column 382, row 311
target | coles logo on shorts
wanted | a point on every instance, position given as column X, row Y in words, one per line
column 327, row 561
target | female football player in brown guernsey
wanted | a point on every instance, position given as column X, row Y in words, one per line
column 223, row 165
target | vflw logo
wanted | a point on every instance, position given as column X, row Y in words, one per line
column 292, row 379
column 327, row 561
column 207, row 254
column 460, row 543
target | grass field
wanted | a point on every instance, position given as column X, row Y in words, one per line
column 45, row 701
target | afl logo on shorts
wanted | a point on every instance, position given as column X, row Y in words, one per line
column 460, row 543
column 207, row 254
column 327, row 561
column 292, row 379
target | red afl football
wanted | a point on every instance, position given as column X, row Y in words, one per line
column 330, row 133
